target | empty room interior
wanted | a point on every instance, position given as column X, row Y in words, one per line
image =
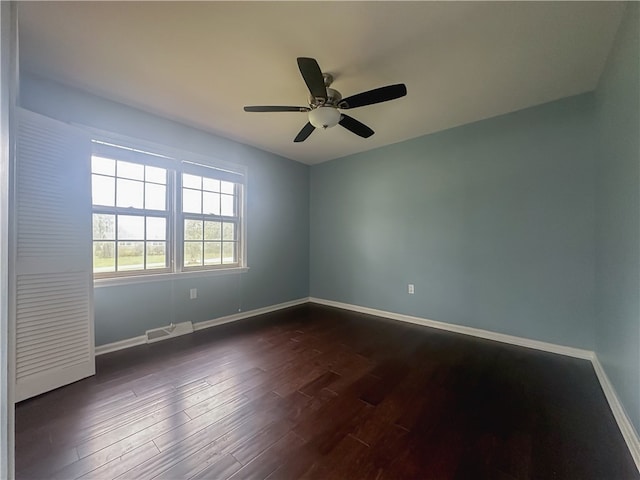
column 333, row 240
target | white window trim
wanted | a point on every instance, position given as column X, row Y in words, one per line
column 178, row 156
column 163, row 277
column 167, row 214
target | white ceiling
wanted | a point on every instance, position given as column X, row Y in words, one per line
column 200, row 62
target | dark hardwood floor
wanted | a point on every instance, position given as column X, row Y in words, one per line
column 316, row 392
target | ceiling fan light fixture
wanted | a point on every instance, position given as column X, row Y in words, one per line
column 324, row 117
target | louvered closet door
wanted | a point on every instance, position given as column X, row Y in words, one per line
column 53, row 282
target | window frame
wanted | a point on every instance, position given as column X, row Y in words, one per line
column 119, row 211
column 235, row 219
column 176, row 162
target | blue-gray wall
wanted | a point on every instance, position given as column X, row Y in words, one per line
column 277, row 221
column 618, row 215
column 493, row 222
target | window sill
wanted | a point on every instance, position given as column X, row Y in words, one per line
column 163, row 277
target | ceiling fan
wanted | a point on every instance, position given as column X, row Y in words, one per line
column 325, row 103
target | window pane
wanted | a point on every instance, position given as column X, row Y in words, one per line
column 130, row 227
column 104, row 257
column 228, row 252
column 212, row 253
column 155, row 174
column 191, row 201
column 156, row 255
column 130, row 256
column 210, row 184
column 192, row 254
column 104, row 227
column 228, row 205
column 191, row 181
column 212, row 231
column 155, row 197
column 156, row 228
column 130, row 170
column 106, row 166
column 192, row 229
column 227, row 187
column 211, row 203
column 130, row 193
column 228, row 231
column 103, row 190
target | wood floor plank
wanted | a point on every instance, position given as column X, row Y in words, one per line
column 148, row 427
column 38, row 462
column 190, row 454
column 101, row 423
column 124, row 463
column 255, row 445
column 215, row 422
column 226, row 466
column 248, row 442
column 299, row 406
column 93, row 461
column 270, row 459
column 224, row 391
column 348, row 459
column 314, row 386
column 295, row 465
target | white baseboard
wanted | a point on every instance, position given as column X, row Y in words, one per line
column 121, row 345
column 474, row 332
column 250, row 313
column 142, row 339
column 624, row 423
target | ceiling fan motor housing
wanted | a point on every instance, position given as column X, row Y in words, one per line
column 333, row 98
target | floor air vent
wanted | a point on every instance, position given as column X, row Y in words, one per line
column 173, row 330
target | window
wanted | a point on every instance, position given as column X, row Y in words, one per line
column 130, row 216
column 155, row 214
column 210, row 220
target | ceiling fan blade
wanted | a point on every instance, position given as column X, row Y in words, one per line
column 312, row 76
column 275, row 108
column 304, row 133
column 377, row 95
column 355, row 126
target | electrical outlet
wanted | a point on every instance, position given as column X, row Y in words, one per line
column 193, row 293
column 410, row 289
